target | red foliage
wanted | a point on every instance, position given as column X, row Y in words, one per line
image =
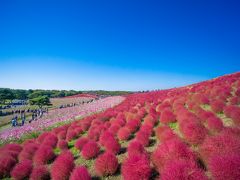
column 81, row 142
column 142, row 137
column 28, row 151
column 224, row 167
column 13, row 147
column 106, row 164
column 217, row 105
column 165, row 133
column 62, row 134
column 22, row 170
column 90, row 150
column 50, row 140
column 214, row 124
column 71, row 134
column 80, row 173
column 42, row 136
column 182, row 169
column 62, row 166
column 171, row 150
column 43, row 155
column 62, row 144
column 223, row 143
column 167, row 116
column 112, row 146
column 40, row 173
column 123, row 133
column 193, row 132
column 136, row 167
column 105, row 136
column 114, row 129
column 133, row 125
column 6, row 164
column 136, row 148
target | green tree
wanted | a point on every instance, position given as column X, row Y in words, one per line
column 40, row 101
column 6, row 94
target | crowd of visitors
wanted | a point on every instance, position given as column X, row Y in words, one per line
column 21, row 114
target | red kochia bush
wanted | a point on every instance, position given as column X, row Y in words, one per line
column 105, row 136
column 123, row 133
column 42, row 136
column 71, row 134
column 13, row 147
column 90, row 150
column 214, row 124
column 112, row 146
column 40, row 173
column 28, row 151
column 50, row 140
column 182, row 169
column 62, row 166
column 80, row 173
column 223, row 143
column 133, row 124
column 167, row 116
column 6, row 164
column 217, row 106
column 43, row 155
column 165, row 133
column 135, row 168
column 136, row 148
column 193, row 132
column 224, row 167
column 142, row 137
column 62, row 134
column 22, row 170
column 106, row 164
column 81, row 142
column 62, row 144
column 170, row 150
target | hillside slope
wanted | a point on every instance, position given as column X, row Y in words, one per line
column 190, row 132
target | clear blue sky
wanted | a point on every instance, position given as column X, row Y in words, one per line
column 117, row 44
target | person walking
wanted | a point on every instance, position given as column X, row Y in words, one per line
column 23, row 118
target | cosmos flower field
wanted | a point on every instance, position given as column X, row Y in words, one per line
column 187, row 133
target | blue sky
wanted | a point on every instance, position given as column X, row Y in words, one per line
column 116, row 45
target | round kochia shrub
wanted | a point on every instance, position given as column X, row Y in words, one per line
column 13, row 147
column 40, row 173
column 123, row 133
column 182, row 169
column 22, row 170
column 224, row 167
column 43, row 155
column 142, row 137
column 50, row 140
column 136, row 167
column 165, row 133
column 223, row 143
column 193, row 132
column 62, row 144
column 106, row 164
column 62, row 166
column 28, row 151
column 80, row 173
column 112, row 146
column 173, row 149
column 214, row 124
column 90, row 150
column 167, row 116
column 217, row 106
column 81, row 142
column 7, row 162
column 136, row 148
